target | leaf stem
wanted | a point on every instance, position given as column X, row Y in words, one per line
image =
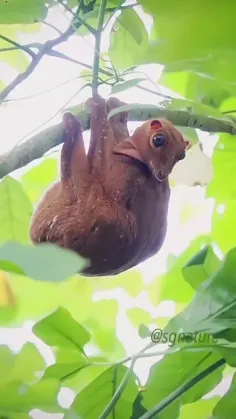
column 118, row 392
column 98, row 36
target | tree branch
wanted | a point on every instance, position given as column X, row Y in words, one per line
column 24, row 48
column 40, row 143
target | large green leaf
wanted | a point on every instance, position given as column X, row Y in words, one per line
column 68, row 364
column 172, row 285
column 17, row 58
column 22, row 11
column 21, row 366
column 45, row 262
column 213, row 309
column 185, row 365
column 61, row 330
column 131, row 281
column 20, row 390
column 17, row 397
column 200, row 267
column 202, row 409
column 39, row 178
column 223, row 225
column 195, row 87
column 223, row 185
column 128, row 40
column 91, row 18
column 195, row 108
column 225, row 408
column 120, row 87
column 15, row 211
column 34, row 299
column 177, row 22
column 101, row 323
column 92, row 401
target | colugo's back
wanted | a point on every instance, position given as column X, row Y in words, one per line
column 110, row 205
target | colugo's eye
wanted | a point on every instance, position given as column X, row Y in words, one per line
column 182, row 156
column 158, row 140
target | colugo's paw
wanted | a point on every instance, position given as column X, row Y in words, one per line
column 92, row 103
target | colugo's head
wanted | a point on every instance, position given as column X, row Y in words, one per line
column 156, row 143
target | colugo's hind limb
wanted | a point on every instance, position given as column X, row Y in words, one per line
column 74, row 163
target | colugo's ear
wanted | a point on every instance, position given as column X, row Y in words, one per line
column 155, row 124
column 127, row 148
column 188, row 144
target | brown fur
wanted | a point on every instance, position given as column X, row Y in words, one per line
column 109, row 206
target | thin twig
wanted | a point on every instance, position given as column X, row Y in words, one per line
column 101, row 15
column 32, row 45
column 58, row 54
column 19, row 46
column 53, row 27
column 51, row 117
column 46, row 48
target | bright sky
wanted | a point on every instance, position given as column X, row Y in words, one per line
column 19, row 118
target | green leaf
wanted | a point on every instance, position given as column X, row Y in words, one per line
column 229, row 105
column 195, row 87
column 213, row 309
column 172, row 285
column 138, row 409
column 185, row 365
column 22, row 11
column 131, row 281
column 201, row 409
column 133, row 106
column 74, row 294
column 189, row 134
column 193, row 107
column 120, row 87
column 17, row 58
column 44, row 262
column 137, row 316
column 225, row 408
column 68, row 364
column 61, row 330
column 91, row 18
column 20, row 390
column 207, row 53
column 19, row 397
column 91, row 401
column 223, row 185
column 101, row 323
column 223, row 225
column 39, row 178
column 25, row 366
column 15, row 211
column 200, row 267
column 128, row 40
column 143, row 331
